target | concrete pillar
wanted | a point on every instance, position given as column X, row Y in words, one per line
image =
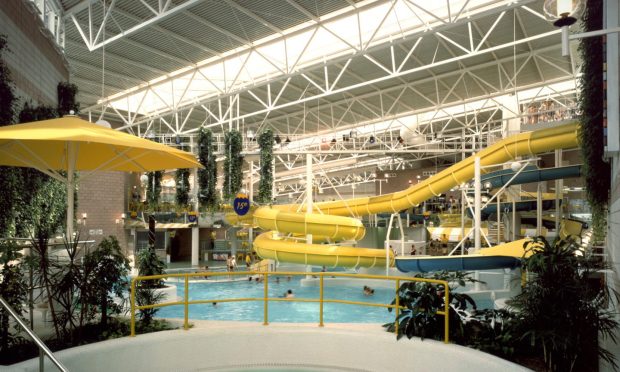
column 195, row 246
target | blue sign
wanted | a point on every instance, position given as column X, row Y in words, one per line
column 241, row 204
column 192, row 218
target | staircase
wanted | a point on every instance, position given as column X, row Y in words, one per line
column 492, row 229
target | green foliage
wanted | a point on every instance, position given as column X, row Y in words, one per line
column 207, row 177
column 484, row 329
column 31, row 113
column 13, row 289
column 596, row 171
column 265, row 186
column 9, row 177
column 233, row 176
column 106, row 269
column 66, row 99
column 422, row 300
column 44, row 209
column 562, row 311
column 182, row 187
column 150, row 264
column 147, row 296
column 153, row 188
column 10, row 200
column 45, row 212
column 8, row 99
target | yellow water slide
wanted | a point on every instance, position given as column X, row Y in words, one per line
column 339, row 220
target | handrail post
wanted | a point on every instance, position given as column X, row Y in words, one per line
column 42, row 347
column 185, row 299
column 321, row 300
column 132, row 301
column 397, row 310
column 265, row 300
column 446, row 316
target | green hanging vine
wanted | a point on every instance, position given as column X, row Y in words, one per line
column 597, row 173
column 153, row 190
column 265, row 186
column 182, row 188
column 207, row 177
column 233, row 175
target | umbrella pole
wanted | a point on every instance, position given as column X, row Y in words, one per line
column 70, row 192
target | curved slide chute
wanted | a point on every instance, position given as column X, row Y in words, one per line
column 334, row 220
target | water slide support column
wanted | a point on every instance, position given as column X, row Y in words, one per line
column 538, row 209
column 499, row 213
column 477, row 203
column 386, row 245
column 559, row 185
column 463, row 194
column 309, row 199
column 477, row 215
column 463, row 204
column 251, row 197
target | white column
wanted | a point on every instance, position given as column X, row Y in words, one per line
column 539, row 209
column 195, row 246
column 477, row 203
column 251, row 197
column 309, row 197
column 167, row 245
column 559, row 185
column 251, row 185
column 499, row 219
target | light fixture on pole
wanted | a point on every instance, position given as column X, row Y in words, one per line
column 563, row 13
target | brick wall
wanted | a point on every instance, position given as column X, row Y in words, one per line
column 103, row 197
column 36, row 64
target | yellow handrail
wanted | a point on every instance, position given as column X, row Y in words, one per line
column 266, row 297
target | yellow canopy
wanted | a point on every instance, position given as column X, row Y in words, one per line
column 49, row 144
column 71, row 144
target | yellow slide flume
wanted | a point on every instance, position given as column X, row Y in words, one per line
column 330, row 221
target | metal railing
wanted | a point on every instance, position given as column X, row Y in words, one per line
column 266, row 299
column 43, row 349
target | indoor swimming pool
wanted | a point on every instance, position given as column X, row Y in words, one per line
column 280, row 311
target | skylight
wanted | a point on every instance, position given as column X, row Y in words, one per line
column 341, row 33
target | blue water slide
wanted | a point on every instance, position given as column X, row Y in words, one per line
column 529, row 175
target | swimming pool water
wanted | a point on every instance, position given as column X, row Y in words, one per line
column 294, row 312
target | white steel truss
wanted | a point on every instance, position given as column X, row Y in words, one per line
column 207, row 93
column 95, row 25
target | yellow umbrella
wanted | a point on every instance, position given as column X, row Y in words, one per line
column 71, row 144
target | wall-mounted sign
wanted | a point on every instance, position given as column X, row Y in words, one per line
column 241, row 204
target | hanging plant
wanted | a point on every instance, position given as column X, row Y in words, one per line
column 182, row 188
column 207, row 177
column 153, row 191
column 66, row 99
column 232, row 164
column 596, row 170
column 265, row 186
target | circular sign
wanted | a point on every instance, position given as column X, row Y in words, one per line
column 192, row 218
column 241, row 204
